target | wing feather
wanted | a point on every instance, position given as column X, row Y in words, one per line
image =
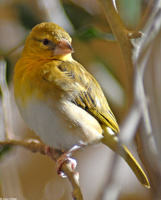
column 89, row 96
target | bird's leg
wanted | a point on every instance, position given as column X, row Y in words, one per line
column 67, row 157
column 64, row 158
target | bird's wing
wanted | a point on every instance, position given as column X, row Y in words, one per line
column 84, row 91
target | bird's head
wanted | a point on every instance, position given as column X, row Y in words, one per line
column 48, row 41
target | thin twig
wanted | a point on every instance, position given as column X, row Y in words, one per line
column 33, row 145
column 6, row 100
column 74, row 179
column 152, row 7
column 14, row 49
column 37, row 146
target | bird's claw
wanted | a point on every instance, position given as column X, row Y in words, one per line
column 61, row 161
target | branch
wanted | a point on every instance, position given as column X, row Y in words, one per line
column 149, row 138
column 6, row 100
column 130, row 42
column 132, row 45
column 33, row 145
column 37, row 146
column 151, row 10
column 122, row 37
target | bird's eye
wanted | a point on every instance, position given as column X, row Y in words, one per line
column 45, row 41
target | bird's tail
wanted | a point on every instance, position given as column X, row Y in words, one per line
column 111, row 140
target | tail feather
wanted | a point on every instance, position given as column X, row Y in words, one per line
column 136, row 168
column 111, row 140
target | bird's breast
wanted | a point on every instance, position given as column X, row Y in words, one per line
column 51, row 115
column 60, row 126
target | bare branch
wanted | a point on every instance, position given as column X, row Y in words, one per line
column 33, row 145
column 37, row 146
column 153, row 7
column 6, row 100
column 122, row 36
column 135, row 50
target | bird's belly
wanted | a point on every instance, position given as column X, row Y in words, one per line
column 61, row 127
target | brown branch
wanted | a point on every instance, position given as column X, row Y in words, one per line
column 152, row 8
column 122, row 37
column 6, row 100
column 74, row 179
column 132, row 44
column 33, row 145
column 37, row 146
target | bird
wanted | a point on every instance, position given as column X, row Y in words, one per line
column 61, row 101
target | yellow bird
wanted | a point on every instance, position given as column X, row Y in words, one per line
column 61, row 101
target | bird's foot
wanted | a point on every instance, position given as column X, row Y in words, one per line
column 65, row 157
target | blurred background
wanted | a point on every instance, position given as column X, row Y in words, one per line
column 28, row 176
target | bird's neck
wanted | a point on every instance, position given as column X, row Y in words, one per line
column 67, row 57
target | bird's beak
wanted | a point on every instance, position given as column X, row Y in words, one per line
column 63, row 48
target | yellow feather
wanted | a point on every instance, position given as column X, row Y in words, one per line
column 111, row 140
column 47, row 79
